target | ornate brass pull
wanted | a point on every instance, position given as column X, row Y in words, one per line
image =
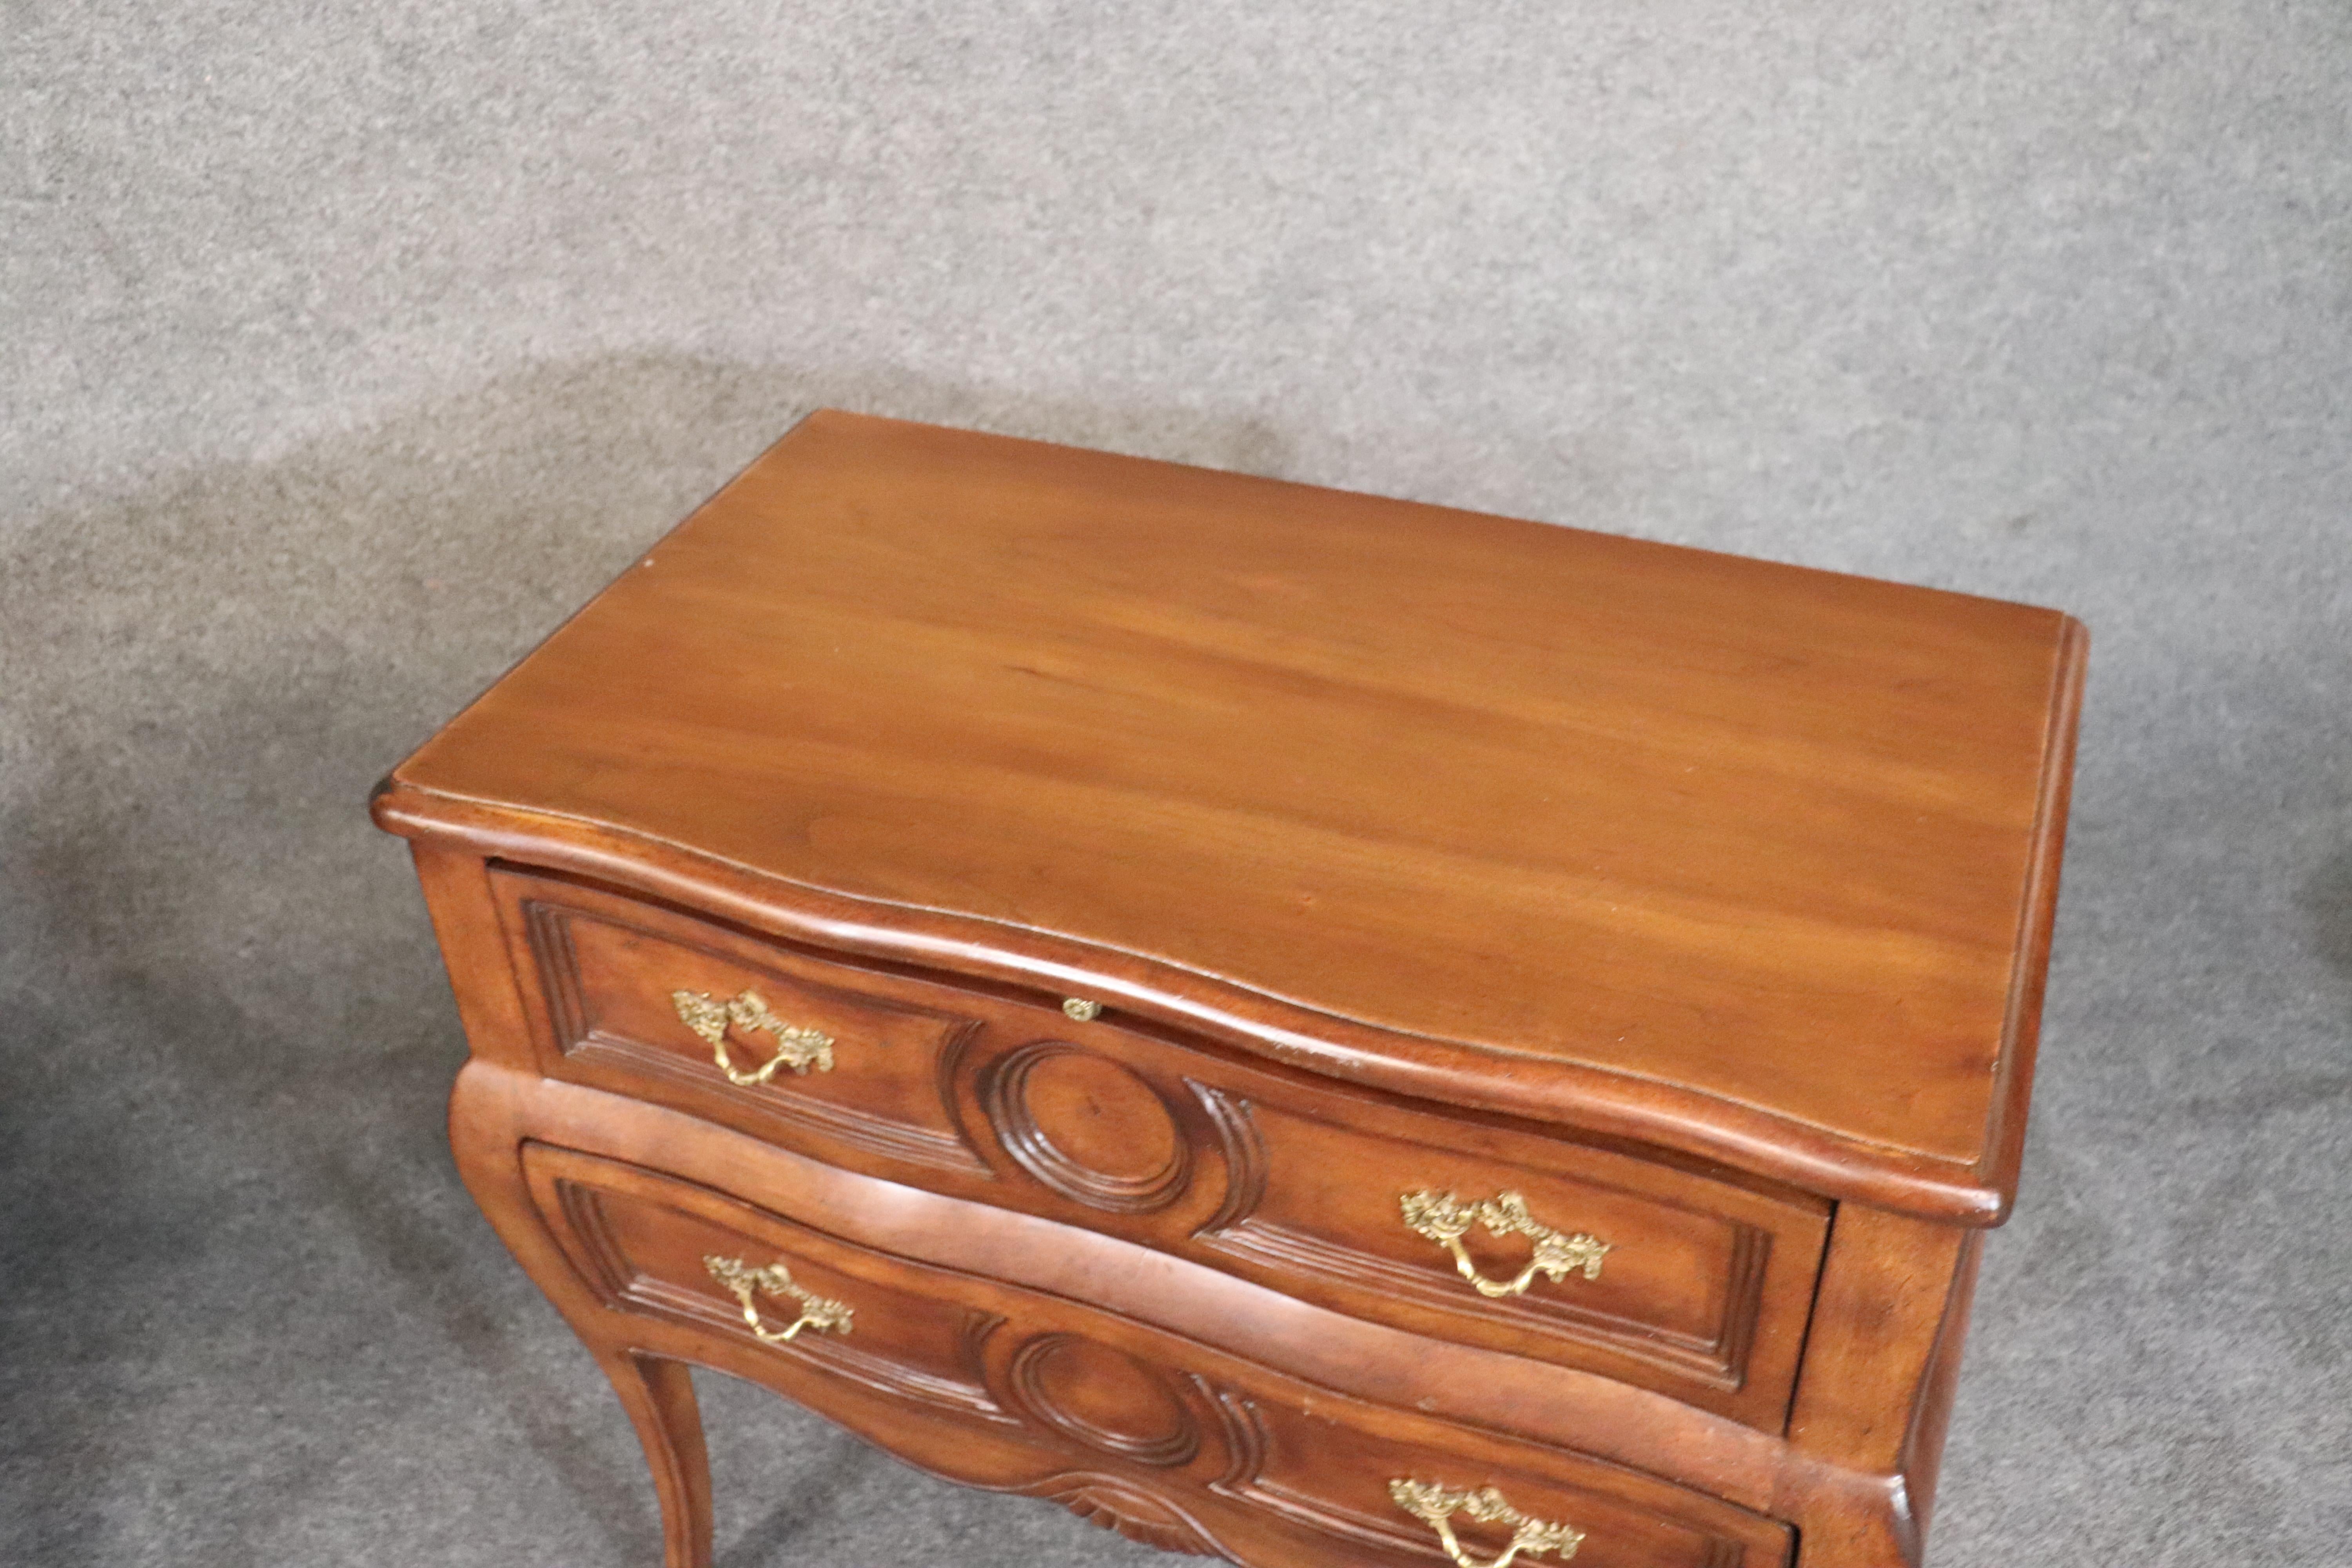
column 797, row 1048
column 1435, row 1507
column 817, row 1311
column 1442, row 1219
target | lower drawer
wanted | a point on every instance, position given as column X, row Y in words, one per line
column 1165, row 1441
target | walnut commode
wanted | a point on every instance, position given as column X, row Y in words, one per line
column 1306, row 1028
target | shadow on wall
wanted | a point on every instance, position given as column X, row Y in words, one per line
column 226, row 1036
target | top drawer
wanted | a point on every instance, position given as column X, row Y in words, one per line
column 1438, row 1223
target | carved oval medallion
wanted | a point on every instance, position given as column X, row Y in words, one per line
column 1104, row 1399
column 1088, row 1128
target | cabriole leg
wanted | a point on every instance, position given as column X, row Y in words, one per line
column 660, row 1397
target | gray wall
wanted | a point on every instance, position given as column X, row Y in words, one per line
column 342, row 350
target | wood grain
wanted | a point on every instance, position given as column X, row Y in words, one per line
column 944, row 1367
column 1735, row 857
column 1183, row 869
column 1277, row 1176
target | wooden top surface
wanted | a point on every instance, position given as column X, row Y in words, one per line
column 1744, row 859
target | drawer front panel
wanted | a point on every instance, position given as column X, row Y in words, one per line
column 1658, row 1275
column 644, row 1251
column 1189, row 1448
column 1339, row 1478
column 1322, row 1202
column 609, row 974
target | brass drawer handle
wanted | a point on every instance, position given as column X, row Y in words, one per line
column 1435, row 1507
column 818, row 1313
column 797, row 1048
column 1442, row 1219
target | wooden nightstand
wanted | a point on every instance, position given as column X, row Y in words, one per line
column 1305, row 1027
